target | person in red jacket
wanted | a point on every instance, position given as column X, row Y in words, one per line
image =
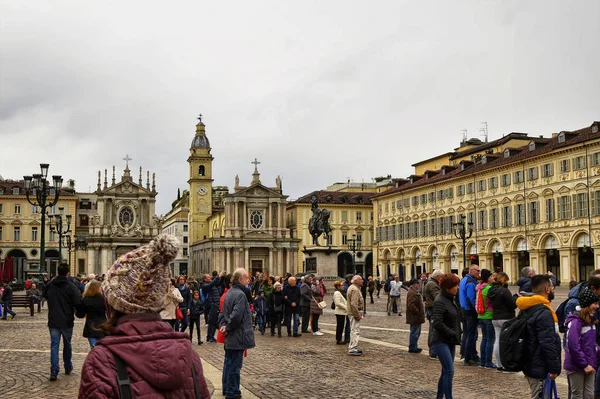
column 142, row 349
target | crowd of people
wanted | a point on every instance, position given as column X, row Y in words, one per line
column 137, row 312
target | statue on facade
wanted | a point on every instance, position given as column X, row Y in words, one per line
column 319, row 223
column 237, row 181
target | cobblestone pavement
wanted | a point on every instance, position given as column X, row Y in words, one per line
column 305, row 367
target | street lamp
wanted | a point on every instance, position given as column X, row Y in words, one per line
column 463, row 231
column 39, row 192
column 69, row 245
column 61, row 230
column 353, row 245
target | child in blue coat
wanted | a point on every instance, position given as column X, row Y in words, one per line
column 260, row 307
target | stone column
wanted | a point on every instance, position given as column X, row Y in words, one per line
column 114, row 254
column 91, row 261
column 97, row 267
column 288, row 263
column 247, row 259
column 235, row 214
column 271, row 262
column 269, row 221
column 280, row 267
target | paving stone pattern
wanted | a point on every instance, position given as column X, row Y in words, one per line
column 305, row 367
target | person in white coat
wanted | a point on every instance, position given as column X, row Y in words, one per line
column 340, row 311
column 172, row 300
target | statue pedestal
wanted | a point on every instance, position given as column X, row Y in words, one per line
column 321, row 260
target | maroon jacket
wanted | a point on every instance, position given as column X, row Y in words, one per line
column 158, row 360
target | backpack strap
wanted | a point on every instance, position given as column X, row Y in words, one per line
column 123, row 379
column 195, row 377
column 533, row 310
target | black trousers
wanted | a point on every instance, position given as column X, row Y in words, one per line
column 276, row 323
column 315, row 323
column 340, row 321
column 195, row 321
column 305, row 318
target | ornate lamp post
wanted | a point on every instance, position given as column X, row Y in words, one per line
column 353, row 245
column 61, row 230
column 39, row 193
column 69, row 245
column 463, row 231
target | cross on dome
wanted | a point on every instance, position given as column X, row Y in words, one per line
column 256, row 163
column 127, row 159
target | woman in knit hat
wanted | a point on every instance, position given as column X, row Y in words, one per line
column 142, row 349
column 581, row 348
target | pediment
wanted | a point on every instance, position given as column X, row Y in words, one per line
column 482, row 205
column 519, row 197
column 423, row 215
column 532, row 195
column 450, row 211
column 493, row 202
column 564, row 190
column 460, row 209
column 257, row 190
column 126, row 187
column 580, row 187
column 432, row 214
column 470, row 207
column 506, row 200
column 548, row 192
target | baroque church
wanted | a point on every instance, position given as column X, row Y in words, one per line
column 245, row 228
column 124, row 218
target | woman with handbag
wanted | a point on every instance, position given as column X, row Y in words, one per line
column 276, row 309
column 317, row 304
column 340, row 304
column 172, row 300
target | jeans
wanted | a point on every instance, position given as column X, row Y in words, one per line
column 445, row 353
column 497, row 328
column 195, row 321
column 8, row 310
column 182, row 325
column 488, row 337
column 471, row 321
column 92, row 342
column 371, row 295
column 315, row 323
column 415, row 333
column 340, row 321
column 288, row 322
column 276, row 322
column 55, row 334
column 261, row 319
column 305, row 318
column 232, row 368
column 429, row 314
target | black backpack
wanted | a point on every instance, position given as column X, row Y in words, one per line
column 513, row 340
column 561, row 314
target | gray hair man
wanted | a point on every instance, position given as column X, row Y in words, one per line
column 355, row 312
column 235, row 323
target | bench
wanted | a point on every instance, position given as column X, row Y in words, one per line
column 25, row 302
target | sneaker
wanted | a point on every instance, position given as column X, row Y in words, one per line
column 296, row 335
column 53, row 377
column 354, row 352
column 212, row 340
column 500, row 369
column 389, row 314
column 490, row 366
column 418, row 350
column 318, row 333
column 432, row 357
column 68, row 370
column 12, row 316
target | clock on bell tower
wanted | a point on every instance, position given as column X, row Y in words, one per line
column 200, row 182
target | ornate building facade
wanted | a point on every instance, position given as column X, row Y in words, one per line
column 531, row 201
column 124, row 219
column 20, row 230
column 245, row 228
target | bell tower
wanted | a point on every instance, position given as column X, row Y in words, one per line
column 200, row 183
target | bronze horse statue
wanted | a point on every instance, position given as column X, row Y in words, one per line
column 319, row 223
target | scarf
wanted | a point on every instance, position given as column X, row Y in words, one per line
column 526, row 302
column 245, row 290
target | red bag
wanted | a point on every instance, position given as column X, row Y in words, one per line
column 479, row 305
column 28, row 284
column 178, row 313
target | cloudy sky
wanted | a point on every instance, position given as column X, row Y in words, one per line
column 318, row 91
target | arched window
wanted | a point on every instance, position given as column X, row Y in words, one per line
column 201, row 170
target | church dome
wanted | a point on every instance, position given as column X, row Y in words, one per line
column 200, row 141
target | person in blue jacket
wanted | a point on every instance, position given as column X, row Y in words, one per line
column 466, row 294
column 260, row 307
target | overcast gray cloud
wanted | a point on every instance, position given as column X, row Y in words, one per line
column 317, row 91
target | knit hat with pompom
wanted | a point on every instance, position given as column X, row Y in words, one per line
column 138, row 281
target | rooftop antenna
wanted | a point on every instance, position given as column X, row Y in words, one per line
column 484, row 129
column 464, row 135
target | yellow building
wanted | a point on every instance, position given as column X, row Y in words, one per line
column 532, row 201
column 20, row 230
column 351, row 218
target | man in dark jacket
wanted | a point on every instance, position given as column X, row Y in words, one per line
column 63, row 299
column 211, row 293
column 305, row 301
column 7, row 298
column 291, row 299
column 236, row 325
column 543, row 341
column 524, row 282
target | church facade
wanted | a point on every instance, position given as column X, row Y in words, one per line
column 246, row 228
column 124, row 219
